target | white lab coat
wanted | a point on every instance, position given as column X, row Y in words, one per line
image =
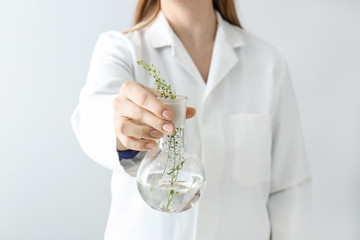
column 247, row 132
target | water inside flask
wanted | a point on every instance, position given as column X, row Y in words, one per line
column 169, row 178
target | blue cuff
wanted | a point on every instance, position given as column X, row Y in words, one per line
column 128, row 154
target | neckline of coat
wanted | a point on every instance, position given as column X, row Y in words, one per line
column 160, row 33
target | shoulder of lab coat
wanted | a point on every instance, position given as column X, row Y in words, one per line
column 92, row 121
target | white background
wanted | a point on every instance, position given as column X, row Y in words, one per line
column 50, row 190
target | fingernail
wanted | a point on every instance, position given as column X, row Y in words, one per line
column 167, row 114
column 167, row 128
column 155, row 133
column 150, row 145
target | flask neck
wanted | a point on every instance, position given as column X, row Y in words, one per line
column 174, row 142
column 178, row 106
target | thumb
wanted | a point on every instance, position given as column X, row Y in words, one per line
column 190, row 112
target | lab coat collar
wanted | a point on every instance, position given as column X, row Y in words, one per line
column 224, row 58
column 162, row 35
column 160, row 32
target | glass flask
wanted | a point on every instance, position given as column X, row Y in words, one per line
column 169, row 178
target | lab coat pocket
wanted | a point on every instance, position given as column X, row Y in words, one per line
column 251, row 148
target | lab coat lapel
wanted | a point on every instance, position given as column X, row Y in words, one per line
column 161, row 35
column 160, row 32
column 183, row 58
column 224, row 57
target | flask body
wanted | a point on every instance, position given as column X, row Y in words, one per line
column 169, row 178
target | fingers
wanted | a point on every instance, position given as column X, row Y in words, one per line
column 146, row 98
column 190, row 112
column 137, row 144
column 130, row 128
column 141, row 137
column 140, row 118
column 134, row 136
column 133, row 111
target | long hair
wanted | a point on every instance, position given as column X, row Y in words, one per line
column 147, row 11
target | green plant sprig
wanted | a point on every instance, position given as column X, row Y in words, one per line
column 179, row 160
column 161, row 85
column 173, row 146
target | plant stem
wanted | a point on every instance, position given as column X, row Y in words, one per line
column 160, row 83
column 179, row 161
column 174, row 147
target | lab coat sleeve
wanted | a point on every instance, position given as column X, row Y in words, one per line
column 289, row 202
column 92, row 121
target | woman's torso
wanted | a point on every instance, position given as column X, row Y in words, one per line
column 231, row 133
